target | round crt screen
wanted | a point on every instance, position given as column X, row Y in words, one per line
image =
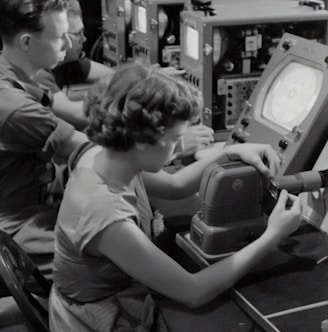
column 292, row 95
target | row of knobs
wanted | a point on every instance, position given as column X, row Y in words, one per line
column 283, row 143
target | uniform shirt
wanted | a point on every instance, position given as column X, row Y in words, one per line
column 30, row 135
column 74, row 72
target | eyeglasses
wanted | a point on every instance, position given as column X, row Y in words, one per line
column 80, row 34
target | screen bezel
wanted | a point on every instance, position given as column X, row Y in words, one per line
column 260, row 101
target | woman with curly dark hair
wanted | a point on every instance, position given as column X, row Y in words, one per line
column 108, row 273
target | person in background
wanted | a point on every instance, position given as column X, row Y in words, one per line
column 35, row 37
column 108, row 273
column 77, row 68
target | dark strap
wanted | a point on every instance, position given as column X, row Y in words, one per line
column 78, row 153
column 41, row 94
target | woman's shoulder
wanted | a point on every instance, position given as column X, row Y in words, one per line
column 95, row 197
column 89, row 206
column 82, row 155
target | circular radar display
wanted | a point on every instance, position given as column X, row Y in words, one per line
column 292, row 95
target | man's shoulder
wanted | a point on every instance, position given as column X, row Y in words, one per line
column 10, row 83
column 73, row 72
column 17, row 95
column 12, row 100
column 12, row 94
column 79, row 62
column 22, row 92
column 7, row 75
column 67, row 66
column 45, row 73
column 47, row 79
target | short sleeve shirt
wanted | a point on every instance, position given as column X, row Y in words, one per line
column 30, row 135
column 89, row 206
column 47, row 78
column 74, row 72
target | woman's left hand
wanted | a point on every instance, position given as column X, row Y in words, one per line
column 261, row 156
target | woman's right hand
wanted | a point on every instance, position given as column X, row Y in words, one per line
column 285, row 219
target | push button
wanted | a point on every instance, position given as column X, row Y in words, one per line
column 245, row 122
column 283, row 144
column 287, row 45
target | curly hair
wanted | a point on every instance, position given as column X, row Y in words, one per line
column 20, row 15
column 136, row 106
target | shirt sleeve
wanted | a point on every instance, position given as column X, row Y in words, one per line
column 74, row 72
column 47, row 78
column 34, row 126
column 100, row 213
column 85, row 66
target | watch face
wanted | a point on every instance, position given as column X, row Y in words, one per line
column 292, row 95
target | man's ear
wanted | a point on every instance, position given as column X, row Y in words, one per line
column 25, row 41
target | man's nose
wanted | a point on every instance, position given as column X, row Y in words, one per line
column 84, row 38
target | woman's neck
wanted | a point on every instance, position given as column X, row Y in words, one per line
column 115, row 167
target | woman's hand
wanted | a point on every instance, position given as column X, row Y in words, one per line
column 261, row 156
column 285, row 217
column 196, row 138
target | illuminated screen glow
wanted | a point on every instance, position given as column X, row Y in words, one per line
column 163, row 22
column 220, row 44
column 191, row 43
column 127, row 11
column 292, row 95
column 141, row 19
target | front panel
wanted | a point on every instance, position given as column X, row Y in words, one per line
column 156, row 31
column 289, row 107
column 116, row 16
column 225, row 54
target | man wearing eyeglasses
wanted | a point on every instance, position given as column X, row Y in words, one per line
column 75, row 69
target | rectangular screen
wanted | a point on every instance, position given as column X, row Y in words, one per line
column 191, row 42
column 292, row 94
column 141, row 19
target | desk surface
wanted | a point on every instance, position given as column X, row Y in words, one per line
column 289, row 287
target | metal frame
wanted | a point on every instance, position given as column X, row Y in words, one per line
column 146, row 46
column 115, row 32
column 234, row 13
